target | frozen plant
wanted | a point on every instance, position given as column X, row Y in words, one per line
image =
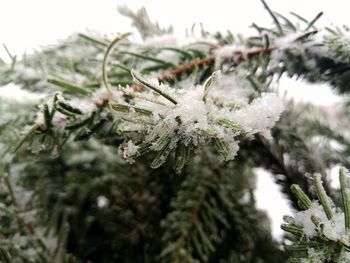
column 321, row 229
column 183, row 120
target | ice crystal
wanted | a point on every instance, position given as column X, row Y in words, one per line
column 129, row 151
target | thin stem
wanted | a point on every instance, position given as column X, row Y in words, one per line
column 106, row 59
column 26, row 136
column 186, row 68
column 146, row 83
column 311, row 24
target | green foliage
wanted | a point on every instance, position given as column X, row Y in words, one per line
column 322, row 230
column 208, row 215
column 67, row 195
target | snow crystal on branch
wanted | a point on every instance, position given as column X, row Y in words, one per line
column 164, row 119
column 181, row 120
column 129, row 151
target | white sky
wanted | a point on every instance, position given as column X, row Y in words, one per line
column 26, row 25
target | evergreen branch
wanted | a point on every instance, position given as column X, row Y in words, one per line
column 209, row 60
column 186, row 68
column 327, row 238
column 208, row 218
column 191, row 221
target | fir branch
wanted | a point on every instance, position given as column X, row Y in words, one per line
column 191, row 221
column 220, row 223
column 321, row 233
column 209, row 60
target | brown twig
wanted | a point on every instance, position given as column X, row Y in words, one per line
column 238, row 57
column 186, row 68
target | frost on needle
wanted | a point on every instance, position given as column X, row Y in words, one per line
column 183, row 120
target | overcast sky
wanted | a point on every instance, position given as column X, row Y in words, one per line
column 26, row 25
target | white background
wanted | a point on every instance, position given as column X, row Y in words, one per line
column 26, row 25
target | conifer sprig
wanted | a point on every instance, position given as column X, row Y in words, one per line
column 321, row 230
